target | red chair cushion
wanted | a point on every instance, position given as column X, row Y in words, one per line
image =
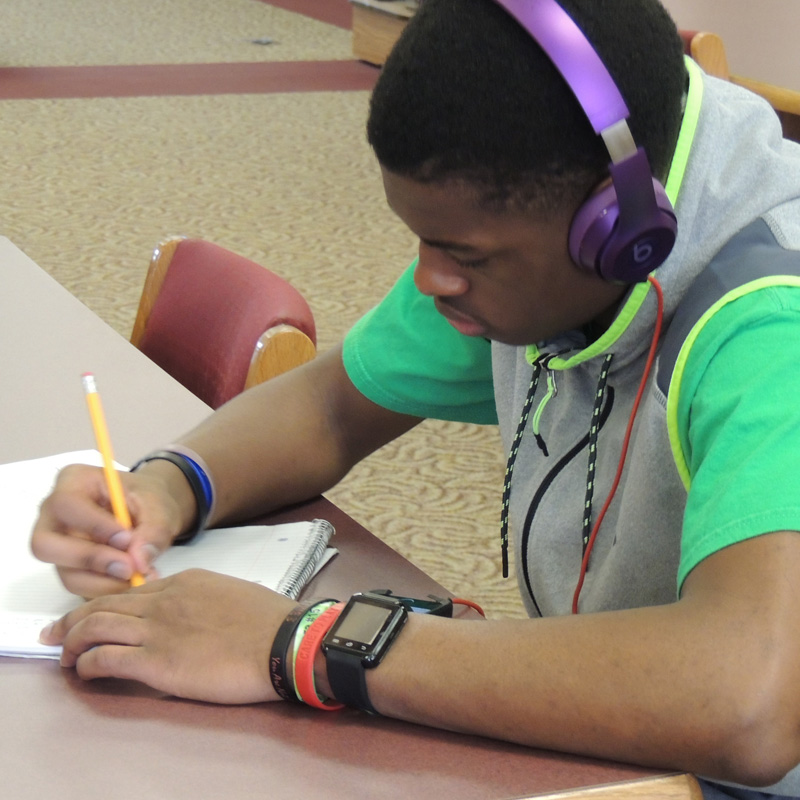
column 209, row 314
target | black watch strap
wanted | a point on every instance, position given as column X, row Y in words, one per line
column 348, row 680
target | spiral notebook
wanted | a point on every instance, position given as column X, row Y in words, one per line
column 280, row 557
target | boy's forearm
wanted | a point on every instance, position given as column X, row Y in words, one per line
column 290, row 438
column 627, row 687
column 708, row 684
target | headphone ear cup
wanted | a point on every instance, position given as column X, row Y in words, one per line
column 603, row 244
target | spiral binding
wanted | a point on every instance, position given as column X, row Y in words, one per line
column 305, row 562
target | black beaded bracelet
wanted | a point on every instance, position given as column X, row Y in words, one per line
column 280, row 656
column 188, row 469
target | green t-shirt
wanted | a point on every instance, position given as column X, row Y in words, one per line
column 404, row 355
column 742, row 448
column 738, row 424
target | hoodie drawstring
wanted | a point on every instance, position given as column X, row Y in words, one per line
column 594, row 429
column 552, row 391
column 512, row 457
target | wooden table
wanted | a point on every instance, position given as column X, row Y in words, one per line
column 114, row 739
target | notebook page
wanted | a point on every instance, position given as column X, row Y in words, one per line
column 258, row 553
column 31, row 593
column 26, row 584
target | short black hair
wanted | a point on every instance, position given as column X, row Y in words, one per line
column 467, row 95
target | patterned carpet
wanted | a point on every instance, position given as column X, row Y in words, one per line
column 90, row 185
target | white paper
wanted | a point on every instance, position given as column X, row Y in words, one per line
column 31, row 593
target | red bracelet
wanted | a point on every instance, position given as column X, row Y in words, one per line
column 306, row 654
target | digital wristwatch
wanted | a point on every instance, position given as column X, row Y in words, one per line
column 358, row 641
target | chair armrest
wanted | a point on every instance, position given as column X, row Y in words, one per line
column 278, row 350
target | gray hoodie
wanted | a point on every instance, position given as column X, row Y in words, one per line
column 741, row 180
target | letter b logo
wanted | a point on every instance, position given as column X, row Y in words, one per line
column 643, row 251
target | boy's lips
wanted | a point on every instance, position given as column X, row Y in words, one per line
column 463, row 323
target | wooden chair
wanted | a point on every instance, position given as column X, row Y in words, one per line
column 708, row 50
column 218, row 322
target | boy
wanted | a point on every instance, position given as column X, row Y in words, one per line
column 656, row 540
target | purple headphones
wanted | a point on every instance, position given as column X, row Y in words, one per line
column 626, row 230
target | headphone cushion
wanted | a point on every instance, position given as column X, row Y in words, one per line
column 599, row 244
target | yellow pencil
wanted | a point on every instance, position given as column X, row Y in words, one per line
column 118, row 504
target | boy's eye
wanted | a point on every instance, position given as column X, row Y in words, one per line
column 470, row 263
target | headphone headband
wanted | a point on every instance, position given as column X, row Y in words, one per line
column 574, row 57
column 627, row 229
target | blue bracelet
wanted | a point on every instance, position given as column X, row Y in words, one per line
column 202, row 470
column 204, row 479
column 199, row 483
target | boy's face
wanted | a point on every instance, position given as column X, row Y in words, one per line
column 505, row 276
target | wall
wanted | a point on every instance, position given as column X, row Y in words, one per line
column 762, row 38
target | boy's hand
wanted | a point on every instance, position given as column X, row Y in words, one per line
column 197, row 634
column 77, row 531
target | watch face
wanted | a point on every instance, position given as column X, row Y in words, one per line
column 366, row 627
column 363, row 622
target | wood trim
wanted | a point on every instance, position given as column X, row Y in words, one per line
column 671, row 787
column 154, row 280
column 375, row 31
column 278, row 350
column 786, row 100
column 708, row 51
